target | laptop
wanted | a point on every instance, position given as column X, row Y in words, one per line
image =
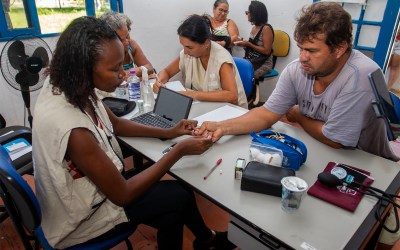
column 385, row 105
column 169, row 109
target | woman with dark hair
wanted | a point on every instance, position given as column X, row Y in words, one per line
column 206, row 67
column 259, row 47
column 82, row 189
column 224, row 30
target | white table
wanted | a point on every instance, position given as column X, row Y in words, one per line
column 317, row 224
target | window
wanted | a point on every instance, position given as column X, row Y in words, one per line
column 373, row 26
column 47, row 17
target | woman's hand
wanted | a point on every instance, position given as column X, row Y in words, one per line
column 195, row 145
column 157, row 85
column 242, row 43
column 184, row 127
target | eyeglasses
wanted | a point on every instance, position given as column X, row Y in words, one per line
column 246, row 12
column 223, row 11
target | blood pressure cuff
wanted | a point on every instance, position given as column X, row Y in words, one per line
column 118, row 106
column 294, row 151
column 264, row 178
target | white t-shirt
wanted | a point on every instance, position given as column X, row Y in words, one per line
column 73, row 209
column 345, row 105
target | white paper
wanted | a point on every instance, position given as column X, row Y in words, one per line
column 175, row 86
column 220, row 114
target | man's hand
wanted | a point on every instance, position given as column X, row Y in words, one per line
column 293, row 114
column 210, row 129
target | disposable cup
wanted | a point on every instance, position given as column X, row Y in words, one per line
column 293, row 189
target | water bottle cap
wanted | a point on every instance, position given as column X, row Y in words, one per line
column 132, row 72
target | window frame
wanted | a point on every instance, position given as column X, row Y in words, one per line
column 33, row 19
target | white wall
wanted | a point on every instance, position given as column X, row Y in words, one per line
column 154, row 27
column 155, row 24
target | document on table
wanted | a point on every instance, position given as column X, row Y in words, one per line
column 220, row 114
column 175, row 86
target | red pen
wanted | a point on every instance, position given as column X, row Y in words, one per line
column 213, row 168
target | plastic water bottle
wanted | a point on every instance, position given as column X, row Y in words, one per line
column 133, row 86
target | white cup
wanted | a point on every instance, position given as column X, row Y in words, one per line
column 293, row 189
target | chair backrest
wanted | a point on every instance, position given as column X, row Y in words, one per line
column 281, row 45
column 246, row 73
column 386, row 104
column 19, row 199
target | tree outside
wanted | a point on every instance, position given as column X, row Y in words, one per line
column 54, row 15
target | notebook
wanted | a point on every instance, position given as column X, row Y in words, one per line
column 169, row 109
column 384, row 105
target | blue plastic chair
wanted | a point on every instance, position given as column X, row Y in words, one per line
column 246, row 73
column 24, row 210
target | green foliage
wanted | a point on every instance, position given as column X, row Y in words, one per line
column 64, row 10
column 50, row 11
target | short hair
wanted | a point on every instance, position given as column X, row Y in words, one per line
column 259, row 13
column 218, row 2
column 196, row 28
column 116, row 20
column 78, row 49
column 325, row 18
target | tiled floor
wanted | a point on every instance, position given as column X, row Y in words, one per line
column 144, row 238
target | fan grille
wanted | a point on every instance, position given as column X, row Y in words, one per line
column 31, row 43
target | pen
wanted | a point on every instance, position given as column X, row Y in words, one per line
column 168, row 149
column 213, row 168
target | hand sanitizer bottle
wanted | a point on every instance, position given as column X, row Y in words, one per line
column 146, row 91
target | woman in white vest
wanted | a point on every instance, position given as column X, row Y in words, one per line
column 206, row 67
column 80, row 182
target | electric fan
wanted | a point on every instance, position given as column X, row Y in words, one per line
column 23, row 60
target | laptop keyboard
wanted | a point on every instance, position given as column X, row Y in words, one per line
column 150, row 119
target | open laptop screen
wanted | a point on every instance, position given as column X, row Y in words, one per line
column 172, row 105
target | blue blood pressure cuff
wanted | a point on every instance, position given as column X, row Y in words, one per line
column 294, row 151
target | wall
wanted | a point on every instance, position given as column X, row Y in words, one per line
column 155, row 24
column 154, row 27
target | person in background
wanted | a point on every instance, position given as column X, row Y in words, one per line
column 206, row 66
column 258, row 49
column 224, row 30
column 80, row 184
column 134, row 56
column 394, row 65
column 326, row 90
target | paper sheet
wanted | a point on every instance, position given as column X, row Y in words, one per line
column 175, row 86
column 220, row 114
